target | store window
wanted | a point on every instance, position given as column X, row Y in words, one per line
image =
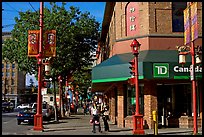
column 178, row 16
column 131, row 102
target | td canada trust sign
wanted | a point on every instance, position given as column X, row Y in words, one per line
column 162, row 70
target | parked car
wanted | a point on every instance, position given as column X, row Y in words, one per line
column 7, row 106
column 23, row 106
column 48, row 111
column 26, row 115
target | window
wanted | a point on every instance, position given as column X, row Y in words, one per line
column 177, row 16
column 2, row 66
column 12, row 91
column 131, row 102
column 51, row 98
column 7, row 74
column 2, row 74
column 13, row 65
column 12, row 82
column 7, row 66
column 13, row 74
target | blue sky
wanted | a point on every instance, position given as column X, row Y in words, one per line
column 11, row 10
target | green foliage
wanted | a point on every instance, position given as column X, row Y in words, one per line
column 77, row 35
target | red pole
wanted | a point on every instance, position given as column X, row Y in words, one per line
column 193, row 82
column 194, row 89
column 137, row 118
column 136, row 86
column 38, row 121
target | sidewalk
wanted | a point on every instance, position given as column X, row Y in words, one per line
column 79, row 125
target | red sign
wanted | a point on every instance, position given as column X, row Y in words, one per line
column 132, row 19
column 33, row 43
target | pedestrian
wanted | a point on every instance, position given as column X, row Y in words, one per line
column 105, row 118
column 95, row 118
column 85, row 108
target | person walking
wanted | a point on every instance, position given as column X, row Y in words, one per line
column 95, row 118
column 105, row 118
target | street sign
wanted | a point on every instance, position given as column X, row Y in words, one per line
column 192, row 72
column 43, row 91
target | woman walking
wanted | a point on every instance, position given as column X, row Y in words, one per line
column 95, row 118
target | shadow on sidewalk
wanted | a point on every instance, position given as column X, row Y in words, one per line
column 189, row 132
column 53, row 122
column 119, row 130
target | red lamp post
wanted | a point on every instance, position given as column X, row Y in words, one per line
column 60, row 96
column 38, row 121
column 196, row 53
column 137, row 118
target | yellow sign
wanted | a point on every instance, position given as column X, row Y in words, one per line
column 50, row 43
column 33, row 43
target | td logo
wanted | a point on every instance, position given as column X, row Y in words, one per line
column 161, row 70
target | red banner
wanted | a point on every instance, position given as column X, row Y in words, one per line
column 33, row 43
column 50, row 43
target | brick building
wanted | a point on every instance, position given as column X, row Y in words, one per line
column 159, row 28
column 13, row 80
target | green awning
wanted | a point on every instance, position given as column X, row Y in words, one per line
column 113, row 69
column 116, row 68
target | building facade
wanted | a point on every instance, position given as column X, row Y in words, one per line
column 13, row 80
column 159, row 28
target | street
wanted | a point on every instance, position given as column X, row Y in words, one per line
column 10, row 127
column 73, row 125
column 76, row 125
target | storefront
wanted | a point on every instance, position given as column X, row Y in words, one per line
column 164, row 85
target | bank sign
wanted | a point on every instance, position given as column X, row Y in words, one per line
column 164, row 70
column 161, row 70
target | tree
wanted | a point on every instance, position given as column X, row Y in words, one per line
column 77, row 35
column 76, row 32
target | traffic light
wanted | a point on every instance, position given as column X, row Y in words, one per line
column 132, row 67
column 46, row 83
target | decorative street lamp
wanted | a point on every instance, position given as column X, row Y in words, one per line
column 137, row 118
column 196, row 57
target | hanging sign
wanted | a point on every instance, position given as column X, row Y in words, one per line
column 50, row 43
column 33, row 43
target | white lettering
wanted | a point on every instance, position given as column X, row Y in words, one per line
column 132, row 10
column 132, row 19
column 161, row 69
column 187, row 69
column 132, row 27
